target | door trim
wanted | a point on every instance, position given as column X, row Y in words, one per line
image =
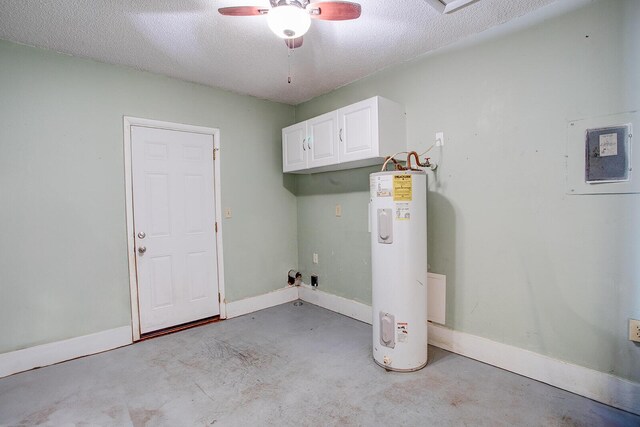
column 129, row 121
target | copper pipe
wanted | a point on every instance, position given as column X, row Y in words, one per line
column 423, row 165
column 397, row 165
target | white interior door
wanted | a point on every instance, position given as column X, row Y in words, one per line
column 174, row 220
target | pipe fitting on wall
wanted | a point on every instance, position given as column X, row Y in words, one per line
column 294, row 278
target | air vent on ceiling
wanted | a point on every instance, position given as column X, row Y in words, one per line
column 448, row 6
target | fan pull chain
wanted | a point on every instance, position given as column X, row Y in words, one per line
column 289, row 52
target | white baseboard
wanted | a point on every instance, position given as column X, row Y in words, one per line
column 59, row 351
column 249, row 305
column 595, row 385
column 350, row 308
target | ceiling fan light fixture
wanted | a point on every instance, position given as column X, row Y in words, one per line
column 289, row 21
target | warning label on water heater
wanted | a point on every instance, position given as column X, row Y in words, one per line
column 402, row 332
column 402, row 188
column 381, row 186
column 402, row 212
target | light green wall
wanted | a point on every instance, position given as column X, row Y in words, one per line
column 63, row 253
column 342, row 243
column 526, row 264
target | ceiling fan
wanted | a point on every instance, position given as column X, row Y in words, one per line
column 291, row 19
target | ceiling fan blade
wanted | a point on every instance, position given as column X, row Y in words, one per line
column 242, row 11
column 293, row 43
column 334, row 10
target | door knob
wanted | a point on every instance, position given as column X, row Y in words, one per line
column 141, row 235
column 142, row 249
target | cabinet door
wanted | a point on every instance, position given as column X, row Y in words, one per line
column 294, row 150
column 322, row 140
column 358, row 130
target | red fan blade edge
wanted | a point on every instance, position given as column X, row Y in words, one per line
column 335, row 10
column 242, row 11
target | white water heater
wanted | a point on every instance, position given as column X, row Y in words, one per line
column 399, row 269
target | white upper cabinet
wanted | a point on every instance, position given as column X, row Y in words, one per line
column 294, row 147
column 358, row 130
column 311, row 144
column 322, row 140
column 361, row 134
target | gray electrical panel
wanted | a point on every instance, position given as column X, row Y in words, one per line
column 607, row 154
column 601, row 157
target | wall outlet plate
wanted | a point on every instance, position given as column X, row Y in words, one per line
column 634, row 330
column 338, row 210
column 315, row 258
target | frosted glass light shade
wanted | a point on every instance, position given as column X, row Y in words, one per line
column 288, row 21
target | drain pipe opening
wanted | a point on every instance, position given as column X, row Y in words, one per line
column 294, row 278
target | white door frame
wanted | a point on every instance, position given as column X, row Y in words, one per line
column 133, row 279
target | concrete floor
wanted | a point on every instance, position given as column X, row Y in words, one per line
column 284, row 366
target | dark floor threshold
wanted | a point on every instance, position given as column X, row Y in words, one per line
column 172, row 329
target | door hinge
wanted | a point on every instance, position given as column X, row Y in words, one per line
column 214, row 152
column 219, row 298
column 215, row 226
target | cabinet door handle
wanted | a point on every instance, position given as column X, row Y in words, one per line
column 303, row 147
column 309, row 143
column 340, row 135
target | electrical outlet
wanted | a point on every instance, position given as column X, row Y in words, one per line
column 315, row 258
column 634, row 330
column 439, row 139
column 338, row 210
column 227, row 212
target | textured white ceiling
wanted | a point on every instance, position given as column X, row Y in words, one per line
column 189, row 40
